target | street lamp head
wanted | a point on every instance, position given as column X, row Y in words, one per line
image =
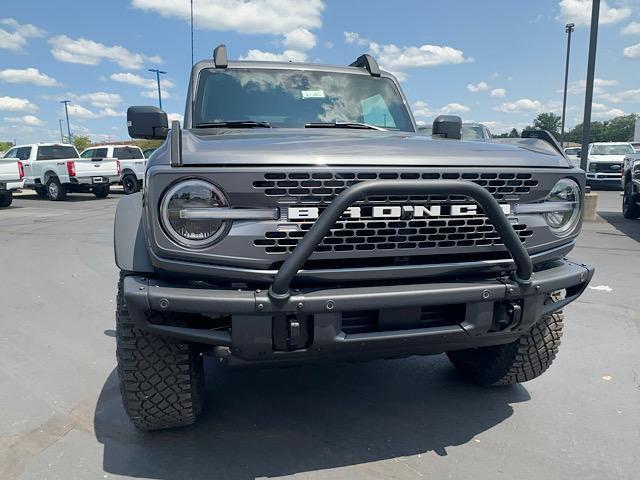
column 569, row 27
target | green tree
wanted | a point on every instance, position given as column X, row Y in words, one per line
column 549, row 121
column 4, row 146
column 621, row 129
column 514, row 133
column 81, row 142
column 144, row 144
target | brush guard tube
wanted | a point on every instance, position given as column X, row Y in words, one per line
column 280, row 289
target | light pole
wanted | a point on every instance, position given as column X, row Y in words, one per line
column 569, row 30
column 191, row 32
column 61, row 135
column 591, row 71
column 66, row 112
column 158, row 72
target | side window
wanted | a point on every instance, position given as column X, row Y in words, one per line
column 100, row 153
column 11, row 153
column 87, row 153
column 24, row 153
column 376, row 112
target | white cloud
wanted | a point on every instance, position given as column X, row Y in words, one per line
column 519, row 106
column 632, row 29
column 299, row 39
column 27, row 75
column 498, row 92
column 30, row 120
column 355, row 38
column 422, row 109
column 599, row 85
column 25, row 29
column 480, row 87
column 78, row 111
column 139, row 81
column 12, row 41
column 12, row 104
column 286, row 56
column 276, row 17
column 626, row 96
column 579, row 12
column 16, row 39
column 98, row 99
column 396, row 59
column 150, row 85
column 632, row 52
column 605, row 112
column 88, row 52
column 400, row 58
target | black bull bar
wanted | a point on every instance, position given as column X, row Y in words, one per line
column 280, row 289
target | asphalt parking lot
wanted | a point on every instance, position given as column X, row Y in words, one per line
column 61, row 415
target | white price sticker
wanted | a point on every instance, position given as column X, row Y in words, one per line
column 312, row 94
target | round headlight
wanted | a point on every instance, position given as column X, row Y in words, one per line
column 183, row 212
column 564, row 201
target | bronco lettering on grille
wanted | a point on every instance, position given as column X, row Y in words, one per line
column 396, row 211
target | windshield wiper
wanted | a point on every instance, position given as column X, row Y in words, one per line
column 356, row 125
column 234, row 124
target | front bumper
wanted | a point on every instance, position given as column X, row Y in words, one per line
column 311, row 323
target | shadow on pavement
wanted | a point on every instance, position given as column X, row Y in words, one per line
column 631, row 228
column 269, row 423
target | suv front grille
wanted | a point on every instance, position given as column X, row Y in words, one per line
column 371, row 235
column 322, row 187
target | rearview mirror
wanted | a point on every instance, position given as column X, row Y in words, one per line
column 149, row 123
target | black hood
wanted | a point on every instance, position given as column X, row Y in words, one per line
column 331, row 147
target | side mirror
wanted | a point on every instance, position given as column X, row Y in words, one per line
column 448, row 126
column 149, row 123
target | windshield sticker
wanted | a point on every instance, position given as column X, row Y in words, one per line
column 312, row 94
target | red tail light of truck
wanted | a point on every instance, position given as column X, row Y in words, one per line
column 71, row 168
column 20, row 169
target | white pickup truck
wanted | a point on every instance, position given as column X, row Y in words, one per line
column 11, row 178
column 132, row 164
column 53, row 170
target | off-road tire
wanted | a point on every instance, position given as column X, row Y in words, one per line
column 6, row 199
column 102, row 191
column 130, row 184
column 55, row 190
column 523, row 360
column 630, row 207
column 161, row 379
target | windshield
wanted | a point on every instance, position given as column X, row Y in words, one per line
column 127, row 153
column 294, row 99
column 612, row 150
column 56, row 152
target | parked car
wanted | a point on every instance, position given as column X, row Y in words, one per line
column 470, row 131
column 604, row 163
column 631, row 186
column 11, row 179
column 54, row 169
column 573, row 155
column 344, row 235
column 132, row 164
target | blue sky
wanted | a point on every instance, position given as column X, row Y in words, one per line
column 500, row 62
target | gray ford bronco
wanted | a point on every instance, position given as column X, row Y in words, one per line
column 298, row 217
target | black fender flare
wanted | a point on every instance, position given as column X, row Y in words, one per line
column 129, row 239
